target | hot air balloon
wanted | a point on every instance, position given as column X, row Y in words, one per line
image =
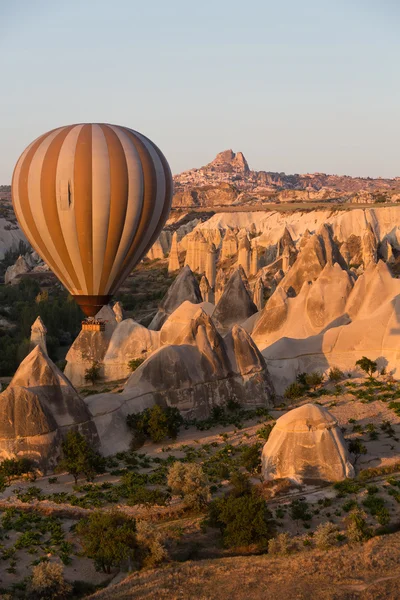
column 92, row 199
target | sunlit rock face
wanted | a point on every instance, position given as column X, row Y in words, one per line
column 321, row 304
column 20, row 267
column 185, row 287
column 90, row 347
column 196, row 370
column 235, row 305
column 38, row 335
column 129, row 341
column 201, row 370
column 173, row 259
column 306, row 445
column 40, row 407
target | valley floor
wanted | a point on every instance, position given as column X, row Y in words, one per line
column 366, row 411
column 363, row 572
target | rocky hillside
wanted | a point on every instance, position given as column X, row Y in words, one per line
column 228, row 180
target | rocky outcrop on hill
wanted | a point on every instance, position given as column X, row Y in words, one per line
column 228, row 161
column 386, row 252
column 205, row 289
column 173, row 260
column 258, row 294
column 220, row 194
column 20, row 267
column 201, row 370
column 198, row 371
column 211, row 265
column 235, row 304
column 90, row 347
column 196, row 253
column 129, row 341
column 319, row 251
column 40, row 406
column 27, row 428
column 160, row 247
column 229, row 244
column 244, row 253
column 118, row 312
column 176, row 323
column 369, row 247
column 306, row 445
column 372, row 330
column 229, row 180
column 185, row 287
column 318, row 306
column 38, row 335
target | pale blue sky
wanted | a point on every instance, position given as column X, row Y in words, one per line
column 297, row 86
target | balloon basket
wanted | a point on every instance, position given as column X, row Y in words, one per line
column 91, row 324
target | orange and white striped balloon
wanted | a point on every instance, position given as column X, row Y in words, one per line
column 92, row 199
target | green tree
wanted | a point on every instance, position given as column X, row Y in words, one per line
column 108, row 538
column 243, row 520
column 357, row 448
column 335, row 374
column 135, row 363
column 92, row 374
column 15, row 467
column 367, row 365
column 189, row 481
column 78, row 457
column 156, row 423
column 294, row 390
column 250, row 458
column 357, row 528
column 314, row 379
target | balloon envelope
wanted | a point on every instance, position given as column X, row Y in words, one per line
column 92, row 199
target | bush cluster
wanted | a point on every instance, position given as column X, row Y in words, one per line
column 242, row 516
column 78, row 458
column 155, row 423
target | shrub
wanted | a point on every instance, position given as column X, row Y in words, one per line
column 265, row 431
column 92, row 374
column 299, row 510
column 135, row 363
column 189, row 481
column 108, row 538
column 294, row 391
column 357, row 448
column 357, row 528
column 150, row 543
column 251, row 458
column 47, row 583
column 367, row 365
column 156, row 423
column 325, row 536
column 314, row 379
column 281, row 544
column 301, row 378
column 242, row 520
column 140, row 495
column 240, row 484
column 78, row 457
column 347, row 486
column 376, row 506
column 335, row 374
